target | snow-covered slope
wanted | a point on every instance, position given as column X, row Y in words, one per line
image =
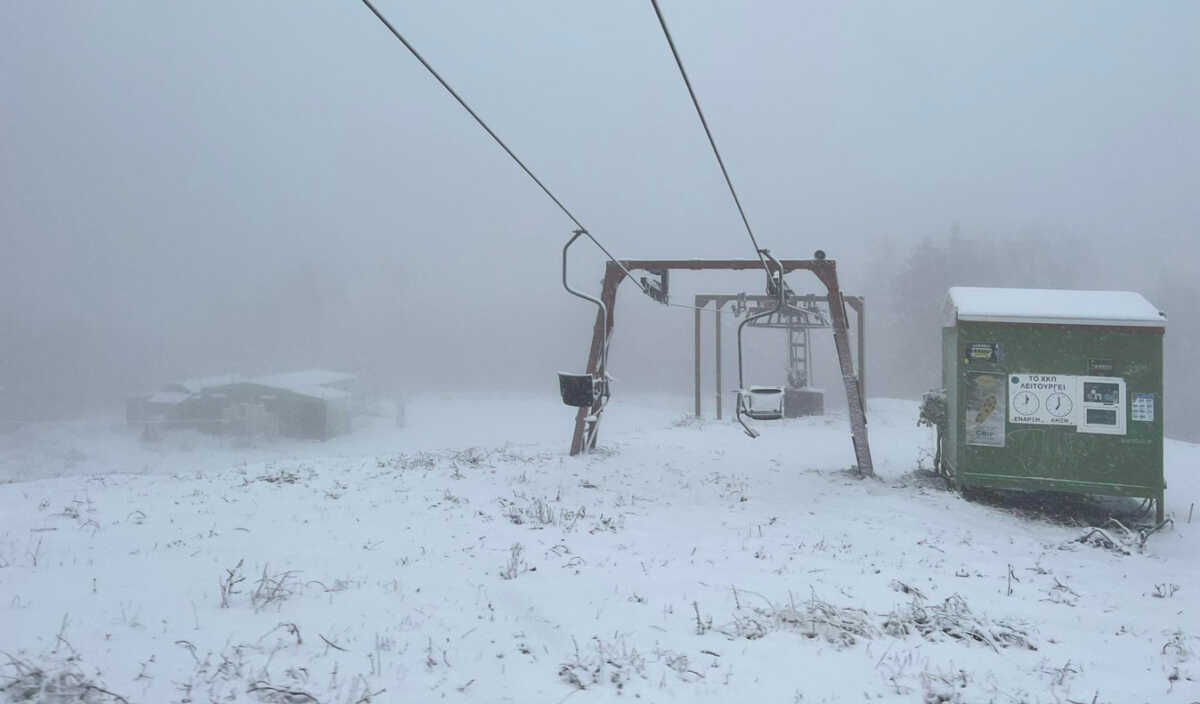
column 464, row 557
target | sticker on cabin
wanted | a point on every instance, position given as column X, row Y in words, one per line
column 1141, row 409
column 1043, row 399
column 982, row 353
column 984, row 421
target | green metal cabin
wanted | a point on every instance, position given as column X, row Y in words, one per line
column 1050, row 390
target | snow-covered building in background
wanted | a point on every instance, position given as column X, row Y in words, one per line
column 314, row 403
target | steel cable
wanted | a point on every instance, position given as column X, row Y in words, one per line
column 494, row 136
column 713, row 142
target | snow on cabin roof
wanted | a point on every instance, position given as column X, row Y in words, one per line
column 315, row 383
column 168, row 397
column 1055, row 306
column 305, row 379
column 199, row 384
column 324, row 393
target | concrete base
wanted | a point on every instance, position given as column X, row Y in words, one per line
column 803, row 402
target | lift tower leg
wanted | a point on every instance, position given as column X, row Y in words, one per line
column 581, row 440
column 717, row 356
column 696, row 347
column 855, row 401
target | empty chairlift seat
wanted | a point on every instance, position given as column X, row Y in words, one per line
column 762, row 402
column 579, row 390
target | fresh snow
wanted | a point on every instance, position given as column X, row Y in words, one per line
column 1037, row 305
column 308, row 377
column 465, row 557
column 195, row 386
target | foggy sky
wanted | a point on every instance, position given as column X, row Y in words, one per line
column 193, row 188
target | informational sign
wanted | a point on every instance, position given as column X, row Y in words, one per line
column 1093, row 404
column 1102, row 405
column 1043, row 399
column 1141, row 408
column 984, row 421
column 1100, row 367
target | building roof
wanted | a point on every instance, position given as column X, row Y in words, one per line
column 324, row 393
column 168, row 397
column 306, row 378
column 199, row 384
column 314, row 383
column 1051, row 306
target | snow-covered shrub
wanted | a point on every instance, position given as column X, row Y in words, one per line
column 814, row 618
column 53, row 682
column 612, row 662
column 954, row 619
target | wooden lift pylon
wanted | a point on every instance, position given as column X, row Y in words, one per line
column 824, row 269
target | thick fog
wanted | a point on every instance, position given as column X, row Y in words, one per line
column 198, row 188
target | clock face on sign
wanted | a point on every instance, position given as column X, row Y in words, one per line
column 1059, row 405
column 1025, row 403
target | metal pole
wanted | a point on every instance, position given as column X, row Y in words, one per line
column 696, row 379
column 717, row 356
column 808, row 368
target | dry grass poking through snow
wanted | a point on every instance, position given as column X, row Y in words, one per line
column 814, row 618
column 953, row 619
column 604, row 662
column 537, row 512
column 53, row 682
column 844, row 626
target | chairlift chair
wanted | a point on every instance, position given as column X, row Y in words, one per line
column 760, row 402
column 592, row 389
column 580, row 390
column 587, row 390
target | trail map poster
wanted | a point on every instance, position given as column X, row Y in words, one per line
column 985, row 412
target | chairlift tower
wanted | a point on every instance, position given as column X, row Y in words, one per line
column 584, row 436
column 799, row 362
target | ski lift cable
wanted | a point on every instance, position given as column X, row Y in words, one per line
column 582, row 229
column 713, row 142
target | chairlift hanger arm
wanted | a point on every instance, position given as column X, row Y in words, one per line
column 780, row 303
column 603, row 368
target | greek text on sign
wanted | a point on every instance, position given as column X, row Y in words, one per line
column 1043, row 399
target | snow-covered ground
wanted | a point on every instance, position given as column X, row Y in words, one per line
column 465, row 557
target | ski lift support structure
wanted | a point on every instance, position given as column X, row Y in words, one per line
column 826, row 272
column 719, row 300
